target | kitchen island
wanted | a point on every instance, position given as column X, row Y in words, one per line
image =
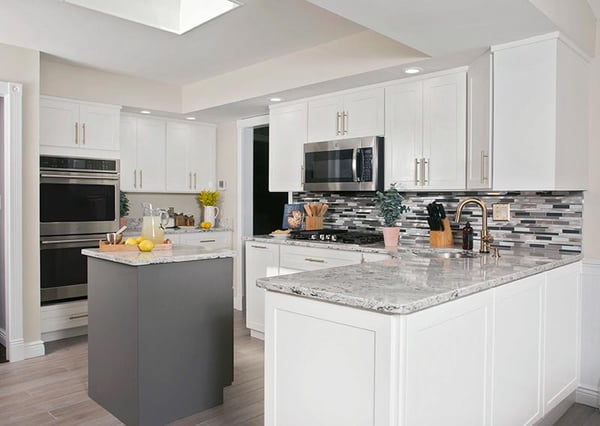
column 160, row 332
column 423, row 340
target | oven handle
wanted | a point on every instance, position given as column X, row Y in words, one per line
column 86, row 240
column 81, row 176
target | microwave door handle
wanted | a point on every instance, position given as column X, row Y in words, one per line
column 354, row 165
column 360, row 165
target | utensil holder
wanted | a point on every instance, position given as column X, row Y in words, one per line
column 442, row 239
column 313, row 223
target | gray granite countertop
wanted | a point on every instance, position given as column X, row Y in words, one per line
column 177, row 254
column 411, row 282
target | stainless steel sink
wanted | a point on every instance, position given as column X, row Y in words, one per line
column 446, row 254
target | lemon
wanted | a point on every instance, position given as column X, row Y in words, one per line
column 205, row 225
column 146, row 245
column 139, row 239
column 130, row 241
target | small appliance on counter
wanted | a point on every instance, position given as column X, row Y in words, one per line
column 342, row 236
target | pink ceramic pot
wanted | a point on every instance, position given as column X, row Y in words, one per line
column 391, row 235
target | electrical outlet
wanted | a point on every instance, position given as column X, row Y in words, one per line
column 501, row 212
column 222, row 185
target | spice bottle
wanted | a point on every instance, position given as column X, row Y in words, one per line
column 467, row 237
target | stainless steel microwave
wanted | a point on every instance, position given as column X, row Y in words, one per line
column 344, row 165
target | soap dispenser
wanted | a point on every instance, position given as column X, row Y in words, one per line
column 467, row 241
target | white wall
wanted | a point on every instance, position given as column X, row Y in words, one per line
column 23, row 66
column 183, row 203
column 70, row 81
column 2, row 233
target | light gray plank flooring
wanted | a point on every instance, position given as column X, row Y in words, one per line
column 53, row 389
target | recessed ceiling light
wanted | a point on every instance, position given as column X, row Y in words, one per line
column 412, row 70
column 145, row 112
column 190, row 118
column 275, row 99
column 177, row 16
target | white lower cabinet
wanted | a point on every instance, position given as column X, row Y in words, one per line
column 505, row 356
column 262, row 260
column 213, row 240
column 57, row 319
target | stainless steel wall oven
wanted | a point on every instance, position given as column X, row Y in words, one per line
column 79, row 203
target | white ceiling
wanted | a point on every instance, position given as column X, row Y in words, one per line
column 595, row 5
column 255, row 32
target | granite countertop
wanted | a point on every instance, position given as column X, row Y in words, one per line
column 181, row 230
column 410, row 282
column 177, row 254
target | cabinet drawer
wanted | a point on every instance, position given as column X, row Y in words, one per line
column 64, row 315
column 311, row 259
column 207, row 239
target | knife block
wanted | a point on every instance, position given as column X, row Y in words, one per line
column 442, row 239
column 313, row 223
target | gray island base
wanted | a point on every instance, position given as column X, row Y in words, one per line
column 160, row 337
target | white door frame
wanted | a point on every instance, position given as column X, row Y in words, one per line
column 12, row 205
column 245, row 180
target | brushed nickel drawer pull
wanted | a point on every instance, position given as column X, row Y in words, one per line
column 208, row 241
column 77, row 316
column 310, row 259
column 258, row 247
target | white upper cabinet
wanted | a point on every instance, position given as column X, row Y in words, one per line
column 143, row 154
column 351, row 115
column 540, row 115
column 190, row 157
column 479, row 138
column 425, row 133
column 287, row 136
column 80, row 129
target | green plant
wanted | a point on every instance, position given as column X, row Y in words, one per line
column 208, row 198
column 123, row 204
column 390, row 205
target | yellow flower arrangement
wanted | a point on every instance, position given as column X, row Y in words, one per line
column 208, row 198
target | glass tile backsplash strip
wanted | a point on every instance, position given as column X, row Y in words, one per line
column 537, row 219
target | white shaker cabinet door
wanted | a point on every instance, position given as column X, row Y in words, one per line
column 287, row 136
column 262, row 260
column 202, row 158
column 444, row 131
column 129, row 178
column 59, row 123
column 99, row 127
column 178, row 175
column 325, row 119
column 151, row 155
column 364, row 113
column 403, row 134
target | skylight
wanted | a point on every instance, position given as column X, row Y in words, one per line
column 176, row 16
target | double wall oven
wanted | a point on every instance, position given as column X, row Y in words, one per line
column 79, row 204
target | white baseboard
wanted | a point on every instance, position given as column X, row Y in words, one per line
column 257, row 334
column 588, row 396
column 51, row 336
column 15, row 350
column 34, row 349
column 2, row 337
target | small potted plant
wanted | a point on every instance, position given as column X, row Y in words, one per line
column 209, row 199
column 390, row 207
column 123, row 208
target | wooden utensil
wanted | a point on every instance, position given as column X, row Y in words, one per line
column 307, row 210
column 324, row 209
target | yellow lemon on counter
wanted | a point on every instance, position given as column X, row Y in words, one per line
column 205, row 225
column 146, row 245
column 130, row 241
column 139, row 240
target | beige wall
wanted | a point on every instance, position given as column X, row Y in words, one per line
column 591, row 211
column 70, row 81
column 23, row 66
column 228, row 171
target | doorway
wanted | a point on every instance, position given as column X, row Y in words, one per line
column 267, row 207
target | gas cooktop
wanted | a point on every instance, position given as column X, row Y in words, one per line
column 338, row 236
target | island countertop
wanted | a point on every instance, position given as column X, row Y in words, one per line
column 179, row 253
column 411, row 282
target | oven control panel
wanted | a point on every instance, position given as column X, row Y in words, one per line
column 79, row 164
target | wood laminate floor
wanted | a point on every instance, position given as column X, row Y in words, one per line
column 53, row 389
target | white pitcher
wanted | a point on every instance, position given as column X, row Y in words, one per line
column 210, row 214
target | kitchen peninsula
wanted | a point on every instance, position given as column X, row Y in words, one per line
column 160, row 331
column 425, row 338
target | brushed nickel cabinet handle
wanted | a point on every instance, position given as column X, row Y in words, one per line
column 77, row 316
column 76, row 133
column 426, row 168
column 484, row 157
column 195, row 180
column 190, row 185
column 345, row 122
column 141, row 179
column 135, row 178
column 310, row 259
column 338, row 123
column 83, row 128
column 417, row 171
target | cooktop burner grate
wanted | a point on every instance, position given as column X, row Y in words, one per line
column 338, row 236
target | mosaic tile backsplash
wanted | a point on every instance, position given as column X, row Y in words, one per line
column 537, row 219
